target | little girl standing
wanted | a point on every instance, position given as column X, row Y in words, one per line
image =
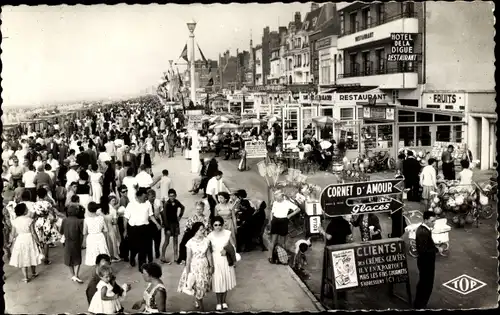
column 105, row 301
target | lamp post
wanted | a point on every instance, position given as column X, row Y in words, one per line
column 191, row 27
column 195, row 147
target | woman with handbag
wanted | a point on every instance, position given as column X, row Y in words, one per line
column 196, row 278
column 224, row 277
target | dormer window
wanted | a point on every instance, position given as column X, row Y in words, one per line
column 306, row 25
column 314, row 21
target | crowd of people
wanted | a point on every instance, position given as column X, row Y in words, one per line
column 88, row 184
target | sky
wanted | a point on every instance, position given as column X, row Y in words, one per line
column 55, row 54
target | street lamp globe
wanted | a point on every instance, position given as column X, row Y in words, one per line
column 191, row 26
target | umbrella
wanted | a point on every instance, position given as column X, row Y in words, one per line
column 225, row 127
column 252, row 122
column 323, row 121
column 222, row 118
column 271, row 119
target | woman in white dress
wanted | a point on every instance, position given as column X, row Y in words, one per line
column 96, row 183
column 25, row 251
column 224, row 277
column 94, row 228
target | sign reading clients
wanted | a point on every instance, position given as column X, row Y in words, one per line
column 403, row 47
column 369, row 264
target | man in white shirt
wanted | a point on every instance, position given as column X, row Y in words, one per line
column 72, row 175
column 144, row 179
column 29, row 182
column 136, row 227
column 429, row 182
column 54, row 164
column 214, row 186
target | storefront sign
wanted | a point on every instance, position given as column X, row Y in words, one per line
column 363, row 36
column 314, row 224
column 325, row 42
column 327, row 99
column 350, row 98
column 445, row 101
column 382, row 113
column 403, row 47
column 369, row 264
column 194, row 122
column 256, row 149
column 339, row 199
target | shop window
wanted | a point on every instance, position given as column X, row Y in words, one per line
column 350, row 136
column 406, row 116
column 327, row 112
column 424, row 117
column 457, row 134
column 346, row 114
column 443, row 133
column 369, row 137
column 423, row 136
column 384, row 136
column 290, row 124
column 407, row 134
column 457, row 118
column 360, row 113
column 438, row 117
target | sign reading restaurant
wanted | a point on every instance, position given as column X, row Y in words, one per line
column 361, row 96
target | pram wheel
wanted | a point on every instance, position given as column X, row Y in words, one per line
column 443, row 249
column 413, row 248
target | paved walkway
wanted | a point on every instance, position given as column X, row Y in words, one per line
column 261, row 286
column 471, row 252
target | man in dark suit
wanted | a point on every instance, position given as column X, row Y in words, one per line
column 63, row 152
column 426, row 261
column 411, row 170
column 130, row 157
column 53, row 147
column 92, row 154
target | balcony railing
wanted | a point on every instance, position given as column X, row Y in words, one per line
column 368, row 70
column 376, row 22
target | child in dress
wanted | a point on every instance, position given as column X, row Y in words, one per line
column 105, row 301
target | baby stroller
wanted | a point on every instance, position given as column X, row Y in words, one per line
column 439, row 236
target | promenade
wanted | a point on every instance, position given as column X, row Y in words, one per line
column 261, row 286
column 473, row 252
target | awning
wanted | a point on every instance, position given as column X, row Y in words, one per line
column 353, row 89
column 431, row 111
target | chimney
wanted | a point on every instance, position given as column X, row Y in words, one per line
column 330, row 10
column 298, row 18
column 314, row 6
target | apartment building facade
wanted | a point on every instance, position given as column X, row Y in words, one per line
column 259, row 69
column 459, row 72
column 445, row 95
